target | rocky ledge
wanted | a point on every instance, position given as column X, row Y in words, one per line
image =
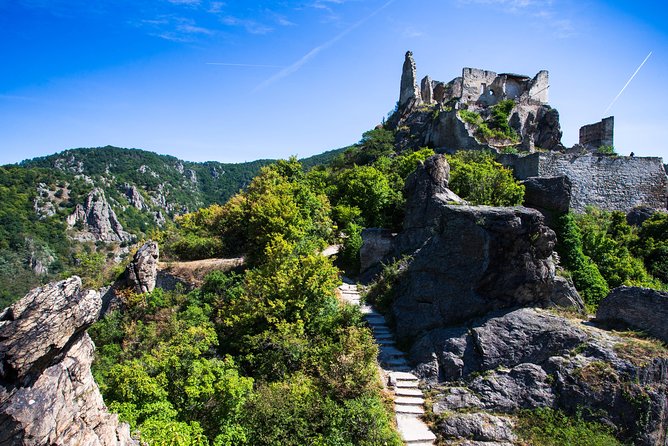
column 47, row 392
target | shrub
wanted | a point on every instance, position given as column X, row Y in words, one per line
column 548, row 427
column 480, row 180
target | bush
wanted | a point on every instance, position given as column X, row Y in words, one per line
column 350, row 252
column 586, row 276
column 480, row 180
column 548, row 427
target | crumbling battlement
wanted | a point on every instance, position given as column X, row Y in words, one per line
column 608, row 183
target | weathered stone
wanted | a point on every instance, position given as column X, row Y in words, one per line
column 47, row 392
column 551, row 194
column 471, row 260
column 427, row 90
column 429, row 180
column 522, row 387
column 410, row 91
column 639, row 214
column 477, row 427
column 502, row 339
column 376, row 244
column 641, row 308
column 143, row 269
column 98, row 220
column 608, row 183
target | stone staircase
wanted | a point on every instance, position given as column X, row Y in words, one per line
column 408, row 398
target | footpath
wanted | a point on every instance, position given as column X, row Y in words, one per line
column 408, row 398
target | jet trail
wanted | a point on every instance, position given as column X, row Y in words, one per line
column 314, row 52
column 627, row 84
column 244, row 65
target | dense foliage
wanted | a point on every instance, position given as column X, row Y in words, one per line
column 602, row 251
column 267, row 357
column 480, row 180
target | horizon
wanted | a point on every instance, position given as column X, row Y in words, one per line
column 230, row 82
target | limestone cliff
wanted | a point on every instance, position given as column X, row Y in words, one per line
column 47, row 392
column 95, row 220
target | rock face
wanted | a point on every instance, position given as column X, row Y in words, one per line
column 47, row 392
column 551, row 196
column 529, row 358
column 143, row 270
column 97, row 219
column 468, row 261
column 377, row 243
column 135, row 198
column 641, row 308
column 410, row 92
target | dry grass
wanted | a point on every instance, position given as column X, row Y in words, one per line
column 639, row 349
column 194, row 272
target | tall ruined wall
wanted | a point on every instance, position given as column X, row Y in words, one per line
column 599, row 134
column 609, row 183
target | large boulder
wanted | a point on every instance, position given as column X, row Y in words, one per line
column 641, row 308
column 143, row 270
column 551, row 194
column 47, row 392
column 473, row 260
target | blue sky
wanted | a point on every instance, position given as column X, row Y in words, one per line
column 237, row 80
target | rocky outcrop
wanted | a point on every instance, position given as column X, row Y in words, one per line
column 640, row 308
column 135, row 198
column 47, row 392
column 551, row 196
column 410, row 91
column 95, row 220
column 468, row 261
column 530, row 358
column 143, row 270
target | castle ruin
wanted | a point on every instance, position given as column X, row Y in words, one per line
column 430, row 114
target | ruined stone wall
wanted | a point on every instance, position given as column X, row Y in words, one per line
column 599, row 134
column 609, row 183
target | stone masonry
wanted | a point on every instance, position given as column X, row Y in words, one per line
column 609, row 183
column 599, row 134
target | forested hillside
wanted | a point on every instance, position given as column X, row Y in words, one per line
column 145, row 190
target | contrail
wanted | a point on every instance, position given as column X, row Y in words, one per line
column 244, row 65
column 314, row 52
column 627, row 84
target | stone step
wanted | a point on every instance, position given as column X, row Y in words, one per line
column 386, row 350
column 389, row 342
column 393, row 362
column 414, row 431
column 407, row 385
column 400, row 368
column 399, row 376
column 408, row 391
column 408, row 409
column 409, row 400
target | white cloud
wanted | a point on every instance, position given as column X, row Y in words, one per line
column 251, row 26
